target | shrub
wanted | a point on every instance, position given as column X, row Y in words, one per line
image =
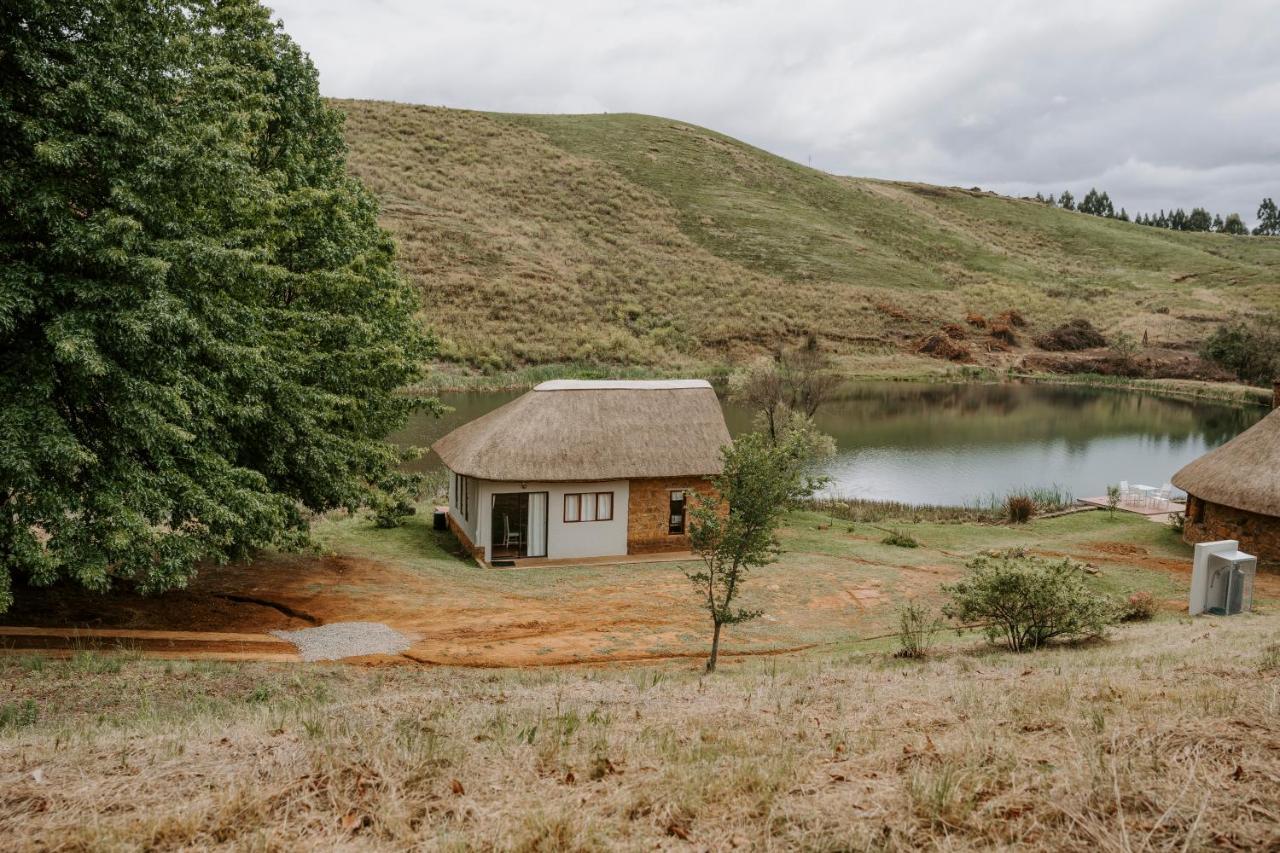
column 1025, row 602
column 391, row 504
column 1072, row 336
column 1140, row 607
column 918, row 627
column 18, row 715
column 955, row 331
column 1250, row 350
column 976, row 320
column 1124, row 348
column 900, row 539
column 1019, row 508
column 1177, row 522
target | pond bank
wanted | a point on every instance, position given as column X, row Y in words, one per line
column 911, row 369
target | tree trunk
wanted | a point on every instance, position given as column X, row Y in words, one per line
column 715, row 649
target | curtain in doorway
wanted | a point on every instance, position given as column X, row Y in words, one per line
column 537, row 535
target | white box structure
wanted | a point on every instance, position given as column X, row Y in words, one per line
column 1221, row 579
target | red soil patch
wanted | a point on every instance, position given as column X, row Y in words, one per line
column 453, row 623
column 1126, row 548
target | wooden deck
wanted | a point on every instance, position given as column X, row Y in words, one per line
column 1155, row 510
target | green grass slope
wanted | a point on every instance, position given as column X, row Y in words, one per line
column 635, row 240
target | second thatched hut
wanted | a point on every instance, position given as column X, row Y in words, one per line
column 1233, row 492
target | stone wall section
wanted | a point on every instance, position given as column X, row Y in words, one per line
column 647, row 513
column 474, row 550
column 1257, row 534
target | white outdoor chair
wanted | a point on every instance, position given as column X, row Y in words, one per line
column 510, row 537
column 1125, row 494
column 1166, row 492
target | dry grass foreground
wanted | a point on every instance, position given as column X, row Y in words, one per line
column 1164, row 738
column 636, row 240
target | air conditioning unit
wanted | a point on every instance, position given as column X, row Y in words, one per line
column 1222, row 579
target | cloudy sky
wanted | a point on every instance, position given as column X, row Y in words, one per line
column 1163, row 103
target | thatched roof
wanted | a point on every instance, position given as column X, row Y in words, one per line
column 593, row 430
column 1244, row 473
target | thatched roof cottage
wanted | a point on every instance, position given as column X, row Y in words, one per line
column 1233, row 492
column 580, row 468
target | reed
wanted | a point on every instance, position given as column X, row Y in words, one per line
column 989, row 508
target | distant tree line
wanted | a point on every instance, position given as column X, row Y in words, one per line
column 1198, row 219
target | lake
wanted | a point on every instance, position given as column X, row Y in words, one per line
column 959, row 443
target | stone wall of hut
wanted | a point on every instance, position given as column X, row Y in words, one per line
column 1210, row 522
column 648, row 510
column 476, row 551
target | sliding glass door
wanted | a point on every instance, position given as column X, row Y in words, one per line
column 518, row 525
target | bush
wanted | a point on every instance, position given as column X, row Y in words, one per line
column 1177, row 522
column 1124, row 348
column 976, row 320
column 1250, row 350
column 918, row 627
column 18, row 715
column 1140, row 607
column 1019, row 508
column 1072, row 336
column 1024, row 602
column 900, row 539
column 390, row 508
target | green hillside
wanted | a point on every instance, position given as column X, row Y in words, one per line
column 635, row 240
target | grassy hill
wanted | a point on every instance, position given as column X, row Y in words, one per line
column 635, row 240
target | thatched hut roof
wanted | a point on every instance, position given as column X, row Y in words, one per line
column 1244, row 473
column 594, row 430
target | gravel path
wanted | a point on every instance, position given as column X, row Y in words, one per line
column 345, row 640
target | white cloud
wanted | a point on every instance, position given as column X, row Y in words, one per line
column 1164, row 103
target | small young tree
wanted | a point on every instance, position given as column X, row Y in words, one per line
column 1113, row 499
column 1124, row 348
column 794, row 380
column 1028, row 601
column 735, row 530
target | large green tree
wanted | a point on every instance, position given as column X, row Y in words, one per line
column 1268, row 218
column 201, row 326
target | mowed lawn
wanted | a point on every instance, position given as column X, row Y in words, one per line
column 835, row 583
column 836, row 586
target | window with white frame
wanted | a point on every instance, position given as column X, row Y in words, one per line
column 588, row 506
column 461, row 493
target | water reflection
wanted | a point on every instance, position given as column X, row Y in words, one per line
column 956, row 443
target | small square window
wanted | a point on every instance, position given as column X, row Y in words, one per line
column 676, row 516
